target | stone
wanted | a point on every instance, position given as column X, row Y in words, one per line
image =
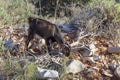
column 118, row 1
column 68, row 28
column 112, row 66
column 85, row 52
column 22, row 62
column 89, row 71
column 113, row 49
column 92, row 46
column 46, row 74
column 117, row 72
column 96, row 57
column 107, row 73
column 8, row 43
column 74, row 66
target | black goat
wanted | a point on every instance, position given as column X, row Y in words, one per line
column 46, row 30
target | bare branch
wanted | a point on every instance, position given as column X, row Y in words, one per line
column 79, row 38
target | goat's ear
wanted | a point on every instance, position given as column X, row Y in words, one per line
column 31, row 20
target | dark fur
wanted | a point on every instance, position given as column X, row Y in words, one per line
column 46, row 30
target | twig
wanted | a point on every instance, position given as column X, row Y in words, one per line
column 30, row 53
column 56, row 8
column 79, row 38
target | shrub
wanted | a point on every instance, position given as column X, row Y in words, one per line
column 15, row 11
column 111, row 20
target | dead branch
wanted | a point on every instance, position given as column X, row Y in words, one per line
column 79, row 38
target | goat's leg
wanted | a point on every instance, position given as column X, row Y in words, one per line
column 29, row 38
column 48, row 45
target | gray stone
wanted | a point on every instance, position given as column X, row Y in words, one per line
column 22, row 62
column 74, row 66
column 107, row 73
column 85, row 52
column 117, row 72
column 92, row 46
column 96, row 57
column 68, row 28
column 46, row 74
column 118, row 1
column 112, row 66
column 89, row 71
column 113, row 49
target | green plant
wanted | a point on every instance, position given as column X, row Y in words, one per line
column 4, row 17
column 15, row 12
column 13, row 68
column 20, row 10
column 10, row 67
column 109, row 6
column 27, row 73
column 63, row 73
column 30, row 71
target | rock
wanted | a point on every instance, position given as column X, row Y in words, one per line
column 55, row 52
column 117, row 72
column 93, row 58
column 89, row 71
column 107, row 73
column 85, row 52
column 24, row 27
column 46, row 74
column 118, row 44
column 68, row 28
column 96, row 57
column 22, row 62
column 118, row 1
column 84, row 18
column 92, row 46
column 94, row 50
column 55, row 66
column 12, row 47
column 112, row 66
column 74, row 66
column 113, row 49
column 8, row 43
column 31, row 58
